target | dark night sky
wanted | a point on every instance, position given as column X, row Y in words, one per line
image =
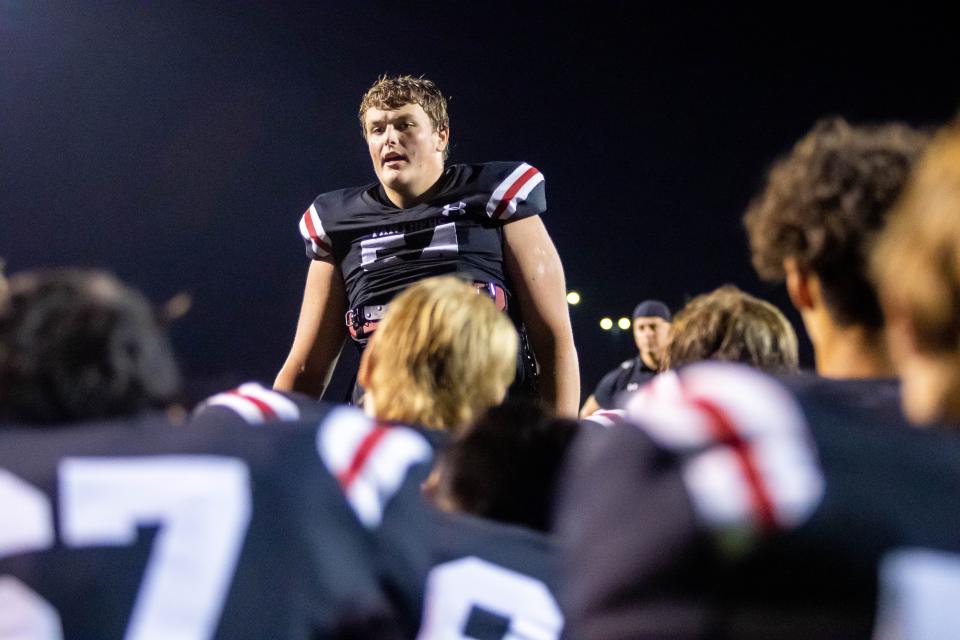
column 177, row 143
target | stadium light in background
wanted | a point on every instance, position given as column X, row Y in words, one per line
column 624, row 323
column 573, row 298
column 606, row 324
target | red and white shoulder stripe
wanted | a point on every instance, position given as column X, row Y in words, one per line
column 368, row 459
column 748, row 460
column 513, row 190
column 256, row 404
column 316, row 239
column 607, row 417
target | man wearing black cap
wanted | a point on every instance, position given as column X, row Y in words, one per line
column 651, row 326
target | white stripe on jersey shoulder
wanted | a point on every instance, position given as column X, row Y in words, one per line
column 256, row 404
column 660, row 409
column 607, row 417
column 517, row 186
column 314, row 235
column 369, row 460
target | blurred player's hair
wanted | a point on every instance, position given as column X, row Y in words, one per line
column 442, row 354
column 916, row 262
column 823, row 200
column 917, row 258
column 729, row 324
column 79, row 345
column 395, row 92
column 506, row 465
column 4, row 286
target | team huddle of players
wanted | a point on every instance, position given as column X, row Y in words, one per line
column 722, row 494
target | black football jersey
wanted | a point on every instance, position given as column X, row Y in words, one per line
column 737, row 507
column 628, row 377
column 458, row 575
column 382, row 249
column 143, row 529
column 489, row 580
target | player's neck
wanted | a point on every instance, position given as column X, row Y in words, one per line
column 412, row 195
column 851, row 352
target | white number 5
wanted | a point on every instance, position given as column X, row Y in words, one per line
column 201, row 505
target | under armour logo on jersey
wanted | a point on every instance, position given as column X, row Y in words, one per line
column 454, row 209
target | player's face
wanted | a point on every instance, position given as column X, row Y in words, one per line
column 651, row 335
column 407, row 152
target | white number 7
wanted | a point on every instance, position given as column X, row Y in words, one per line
column 202, row 507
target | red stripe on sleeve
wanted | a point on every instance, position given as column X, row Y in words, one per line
column 367, row 445
column 265, row 410
column 312, row 230
column 726, row 433
column 512, row 191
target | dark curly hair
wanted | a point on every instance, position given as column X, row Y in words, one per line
column 822, row 203
column 78, row 345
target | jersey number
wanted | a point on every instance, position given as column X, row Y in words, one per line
column 439, row 242
column 200, row 503
column 473, row 599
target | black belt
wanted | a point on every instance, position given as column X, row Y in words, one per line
column 363, row 320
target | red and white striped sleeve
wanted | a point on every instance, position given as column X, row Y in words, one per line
column 748, row 460
column 607, row 417
column 314, row 237
column 370, row 460
column 517, row 195
column 255, row 403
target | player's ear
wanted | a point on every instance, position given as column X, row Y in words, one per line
column 443, row 138
column 798, row 284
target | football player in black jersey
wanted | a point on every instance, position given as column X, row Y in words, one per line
column 735, row 507
column 423, row 219
column 114, row 522
column 442, row 356
column 767, row 511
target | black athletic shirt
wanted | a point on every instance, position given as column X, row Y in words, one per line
column 382, row 249
column 628, row 377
